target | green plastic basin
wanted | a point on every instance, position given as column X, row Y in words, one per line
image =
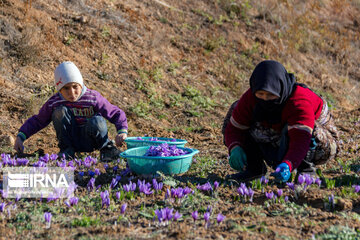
column 141, row 164
column 132, row 142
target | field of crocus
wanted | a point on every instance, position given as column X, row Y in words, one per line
column 175, row 67
column 110, row 202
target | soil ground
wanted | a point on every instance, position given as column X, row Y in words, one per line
column 175, row 67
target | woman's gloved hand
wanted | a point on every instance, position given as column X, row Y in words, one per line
column 282, row 172
column 238, row 159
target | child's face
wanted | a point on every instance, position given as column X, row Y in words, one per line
column 71, row 91
column 265, row 95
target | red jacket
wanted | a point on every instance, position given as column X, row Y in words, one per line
column 299, row 113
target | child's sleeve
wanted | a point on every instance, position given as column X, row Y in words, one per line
column 36, row 122
column 112, row 113
column 239, row 124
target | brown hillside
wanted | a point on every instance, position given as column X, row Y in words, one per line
column 175, row 67
column 172, row 65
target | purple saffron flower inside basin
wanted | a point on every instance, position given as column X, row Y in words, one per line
column 220, row 218
column 164, row 158
column 133, row 142
column 164, row 150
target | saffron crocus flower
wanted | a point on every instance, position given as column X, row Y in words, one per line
column 356, row 188
column 216, row 185
column 187, row 190
column 167, row 213
column 53, row 157
column 18, row 197
column 279, row 192
column 73, row 201
column 123, row 208
column 113, row 183
column 240, row 191
column 251, row 194
column 195, row 215
column 45, row 158
column 220, row 218
column 91, row 185
column 291, row 185
column 176, row 216
column 105, row 198
column 118, row 195
column 158, row 213
column 97, row 172
column 318, row 182
column 22, row 161
column 206, row 216
column 332, row 201
column 145, row 187
column 2, row 207
column 47, row 217
column 269, row 195
column 301, row 179
column 308, row 180
column 286, row 198
column 205, row 187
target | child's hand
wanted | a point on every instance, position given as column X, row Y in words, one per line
column 119, row 139
column 19, row 145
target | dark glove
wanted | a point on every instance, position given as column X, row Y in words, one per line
column 238, row 159
column 282, row 173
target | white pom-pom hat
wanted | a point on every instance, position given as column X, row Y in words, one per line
column 65, row 73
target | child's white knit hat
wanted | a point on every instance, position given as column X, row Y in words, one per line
column 65, row 73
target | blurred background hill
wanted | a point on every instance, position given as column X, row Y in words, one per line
column 174, row 67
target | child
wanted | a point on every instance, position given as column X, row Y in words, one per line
column 78, row 116
column 280, row 121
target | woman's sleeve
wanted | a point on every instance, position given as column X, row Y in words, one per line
column 301, row 120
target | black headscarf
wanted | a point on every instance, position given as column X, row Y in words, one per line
column 271, row 76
